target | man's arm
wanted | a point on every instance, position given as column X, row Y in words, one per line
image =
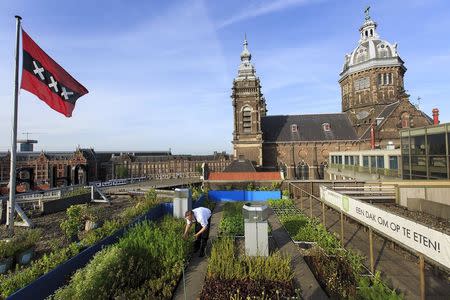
column 201, row 231
column 186, row 230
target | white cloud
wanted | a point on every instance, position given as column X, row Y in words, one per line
column 266, row 7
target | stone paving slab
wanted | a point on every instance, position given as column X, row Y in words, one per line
column 195, row 273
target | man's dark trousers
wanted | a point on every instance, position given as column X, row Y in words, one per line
column 202, row 239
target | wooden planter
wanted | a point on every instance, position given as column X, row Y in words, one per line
column 24, row 257
column 5, row 264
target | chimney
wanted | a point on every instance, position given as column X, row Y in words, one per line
column 435, row 116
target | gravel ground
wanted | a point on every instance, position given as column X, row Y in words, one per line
column 52, row 234
column 420, row 217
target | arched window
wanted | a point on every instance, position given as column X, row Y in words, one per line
column 303, row 171
column 247, row 119
column 321, row 169
column 405, row 120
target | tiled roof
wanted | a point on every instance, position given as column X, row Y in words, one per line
column 240, row 166
column 310, row 128
column 249, row 176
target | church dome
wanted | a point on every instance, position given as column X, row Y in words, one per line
column 371, row 50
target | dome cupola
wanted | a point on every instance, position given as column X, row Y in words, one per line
column 371, row 50
column 246, row 69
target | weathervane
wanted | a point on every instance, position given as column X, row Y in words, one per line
column 366, row 11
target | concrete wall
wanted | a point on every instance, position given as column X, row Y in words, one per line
column 432, row 200
column 49, row 207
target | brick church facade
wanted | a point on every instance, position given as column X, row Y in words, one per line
column 374, row 107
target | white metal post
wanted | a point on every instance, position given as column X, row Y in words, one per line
column 12, row 173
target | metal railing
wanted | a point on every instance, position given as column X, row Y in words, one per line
column 299, row 194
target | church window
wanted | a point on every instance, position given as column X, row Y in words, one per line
column 294, row 128
column 371, row 32
column 361, row 83
column 326, row 126
column 247, row 119
column 303, row 171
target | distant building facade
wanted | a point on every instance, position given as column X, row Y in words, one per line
column 43, row 170
column 374, row 107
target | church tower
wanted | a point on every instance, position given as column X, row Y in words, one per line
column 249, row 106
column 372, row 77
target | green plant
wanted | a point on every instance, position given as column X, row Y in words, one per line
column 375, row 289
column 281, row 203
column 26, row 239
column 23, row 276
column 225, row 264
column 276, row 185
column 286, row 193
column 250, row 187
column 151, row 195
column 196, row 193
column 7, row 249
column 93, row 213
column 74, row 221
column 145, row 263
column 95, row 235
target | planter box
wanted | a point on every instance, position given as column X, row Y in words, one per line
column 24, row 257
column 5, row 265
column 306, row 245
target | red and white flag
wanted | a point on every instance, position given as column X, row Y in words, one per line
column 46, row 79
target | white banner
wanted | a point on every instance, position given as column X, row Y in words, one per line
column 431, row 243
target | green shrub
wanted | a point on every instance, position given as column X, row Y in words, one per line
column 232, row 222
column 225, row 264
column 281, row 203
column 74, row 220
column 294, row 223
column 23, row 276
column 27, row 239
column 7, row 249
column 375, row 289
column 147, row 261
column 97, row 234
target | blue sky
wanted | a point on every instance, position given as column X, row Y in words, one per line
column 160, row 72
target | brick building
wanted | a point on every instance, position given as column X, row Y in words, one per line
column 43, row 170
column 374, row 107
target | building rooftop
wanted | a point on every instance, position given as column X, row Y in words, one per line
column 307, row 128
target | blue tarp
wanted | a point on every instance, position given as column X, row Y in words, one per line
column 48, row 283
column 242, row 195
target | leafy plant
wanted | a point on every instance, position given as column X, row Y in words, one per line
column 375, row 289
column 74, row 221
column 23, row 276
column 143, row 264
column 281, row 203
column 7, row 249
column 26, row 239
column 276, row 185
column 227, row 271
column 250, row 187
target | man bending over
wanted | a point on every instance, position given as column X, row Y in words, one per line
column 201, row 216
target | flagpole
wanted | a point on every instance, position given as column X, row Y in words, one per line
column 12, row 173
